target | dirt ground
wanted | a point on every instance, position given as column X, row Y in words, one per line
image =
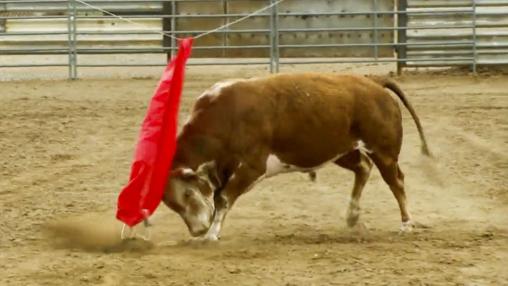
column 65, row 153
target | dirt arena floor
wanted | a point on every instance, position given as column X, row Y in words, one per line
column 66, row 148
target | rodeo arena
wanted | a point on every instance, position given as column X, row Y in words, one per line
column 254, row 142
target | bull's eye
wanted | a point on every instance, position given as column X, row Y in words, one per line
column 188, row 193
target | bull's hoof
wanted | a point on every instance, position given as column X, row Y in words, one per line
column 211, row 237
column 352, row 220
column 352, row 216
column 406, row 227
column 312, row 176
column 360, row 229
column 207, row 238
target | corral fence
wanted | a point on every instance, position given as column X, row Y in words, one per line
column 410, row 33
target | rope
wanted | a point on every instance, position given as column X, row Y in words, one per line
column 238, row 20
column 177, row 38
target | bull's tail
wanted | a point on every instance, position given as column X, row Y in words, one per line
column 391, row 85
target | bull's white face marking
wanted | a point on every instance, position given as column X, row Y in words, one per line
column 179, row 188
column 195, row 209
column 197, row 223
column 203, row 218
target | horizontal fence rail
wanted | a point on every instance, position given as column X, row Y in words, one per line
column 483, row 24
column 408, row 33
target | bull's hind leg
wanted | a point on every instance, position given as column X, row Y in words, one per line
column 361, row 165
column 393, row 176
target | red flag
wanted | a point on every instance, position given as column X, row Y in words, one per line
column 156, row 144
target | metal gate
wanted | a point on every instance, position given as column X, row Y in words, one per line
column 453, row 32
column 411, row 33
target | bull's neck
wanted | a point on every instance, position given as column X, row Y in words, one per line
column 184, row 158
column 192, row 151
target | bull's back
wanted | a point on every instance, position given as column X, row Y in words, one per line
column 318, row 117
column 313, row 115
column 304, row 119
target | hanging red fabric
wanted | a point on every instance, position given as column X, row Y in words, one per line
column 156, row 144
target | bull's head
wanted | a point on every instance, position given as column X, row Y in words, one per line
column 190, row 194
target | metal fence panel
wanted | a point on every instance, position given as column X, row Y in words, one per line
column 479, row 27
column 336, row 23
column 427, row 33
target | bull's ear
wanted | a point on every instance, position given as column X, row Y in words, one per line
column 208, row 172
column 206, row 169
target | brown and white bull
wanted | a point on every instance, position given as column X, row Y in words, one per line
column 242, row 131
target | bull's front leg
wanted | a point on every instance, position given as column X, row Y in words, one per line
column 243, row 178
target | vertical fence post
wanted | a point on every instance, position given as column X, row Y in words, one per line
column 402, row 20
column 173, row 27
column 71, row 30
column 375, row 34
column 3, row 22
column 274, row 38
column 225, row 10
column 475, row 52
column 166, row 27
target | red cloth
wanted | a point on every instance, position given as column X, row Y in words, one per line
column 156, row 144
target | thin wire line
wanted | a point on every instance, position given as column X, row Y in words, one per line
column 177, row 38
column 122, row 18
column 238, row 20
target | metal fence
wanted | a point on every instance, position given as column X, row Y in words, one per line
column 406, row 32
column 459, row 32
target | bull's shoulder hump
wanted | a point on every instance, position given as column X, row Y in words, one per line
column 217, row 88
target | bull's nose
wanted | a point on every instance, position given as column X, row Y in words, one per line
column 198, row 232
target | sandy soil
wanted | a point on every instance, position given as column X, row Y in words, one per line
column 65, row 150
